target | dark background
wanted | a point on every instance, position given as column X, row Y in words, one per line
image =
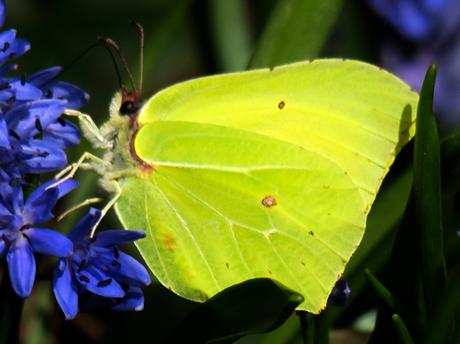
column 183, row 39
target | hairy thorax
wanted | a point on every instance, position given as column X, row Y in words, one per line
column 116, row 140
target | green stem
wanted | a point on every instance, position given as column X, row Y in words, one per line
column 315, row 328
column 401, row 329
column 306, row 327
column 10, row 312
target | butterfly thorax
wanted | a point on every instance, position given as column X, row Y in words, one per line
column 117, row 142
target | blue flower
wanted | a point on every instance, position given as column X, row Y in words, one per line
column 24, row 151
column 339, row 294
column 433, row 27
column 61, row 132
column 19, row 235
column 96, row 266
column 421, row 20
column 33, row 133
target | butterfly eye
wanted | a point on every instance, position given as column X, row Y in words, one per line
column 128, row 108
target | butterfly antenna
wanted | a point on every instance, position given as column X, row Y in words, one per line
column 86, row 51
column 111, row 43
column 140, row 31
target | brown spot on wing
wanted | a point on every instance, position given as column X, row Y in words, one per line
column 268, row 201
column 169, row 242
column 281, row 105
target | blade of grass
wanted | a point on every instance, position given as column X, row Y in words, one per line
column 427, row 195
column 296, row 30
column 392, row 301
column 314, row 328
column 401, row 329
column 164, row 37
column 230, row 33
column 445, row 314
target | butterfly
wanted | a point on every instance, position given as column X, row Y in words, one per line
column 264, row 173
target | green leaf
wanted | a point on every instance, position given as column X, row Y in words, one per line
column 445, row 313
column 392, row 301
column 314, row 328
column 253, row 306
column 38, row 315
column 230, row 31
column 165, row 33
column 401, row 329
column 296, row 30
column 427, row 194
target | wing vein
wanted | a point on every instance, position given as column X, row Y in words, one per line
column 190, row 234
column 229, row 221
column 149, row 227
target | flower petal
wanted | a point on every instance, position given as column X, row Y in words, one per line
column 7, row 38
column 16, row 48
column 74, row 95
column 131, row 271
column 2, row 12
column 133, row 301
column 24, row 91
column 117, row 237
column 11, row 197
column 38, row 206
column 21, row 267
column 64, row 134
column 99, row 283
column 63, row 187
column 44, row 157
column 339, row 294
column 42, row 77
column 23, row 118
column 47, row 241
column 65, row 289
column 4, row 136
column 3, row 245
column 85, row 225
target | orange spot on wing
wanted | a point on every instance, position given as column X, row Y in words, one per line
column 169, row 242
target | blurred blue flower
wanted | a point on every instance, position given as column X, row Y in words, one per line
column 339, row 294
column 98, row 267
column 433, row 26
column 33, row 134
column 421, row 20
column 20, row 236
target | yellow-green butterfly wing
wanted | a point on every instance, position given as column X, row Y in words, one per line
column 266, row 173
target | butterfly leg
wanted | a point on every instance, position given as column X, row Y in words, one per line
column 72, row 169
column 86, row 202
column 95, row 164
column 117, row 193
column 90, row 130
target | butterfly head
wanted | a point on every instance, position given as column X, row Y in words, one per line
column 130, row 103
